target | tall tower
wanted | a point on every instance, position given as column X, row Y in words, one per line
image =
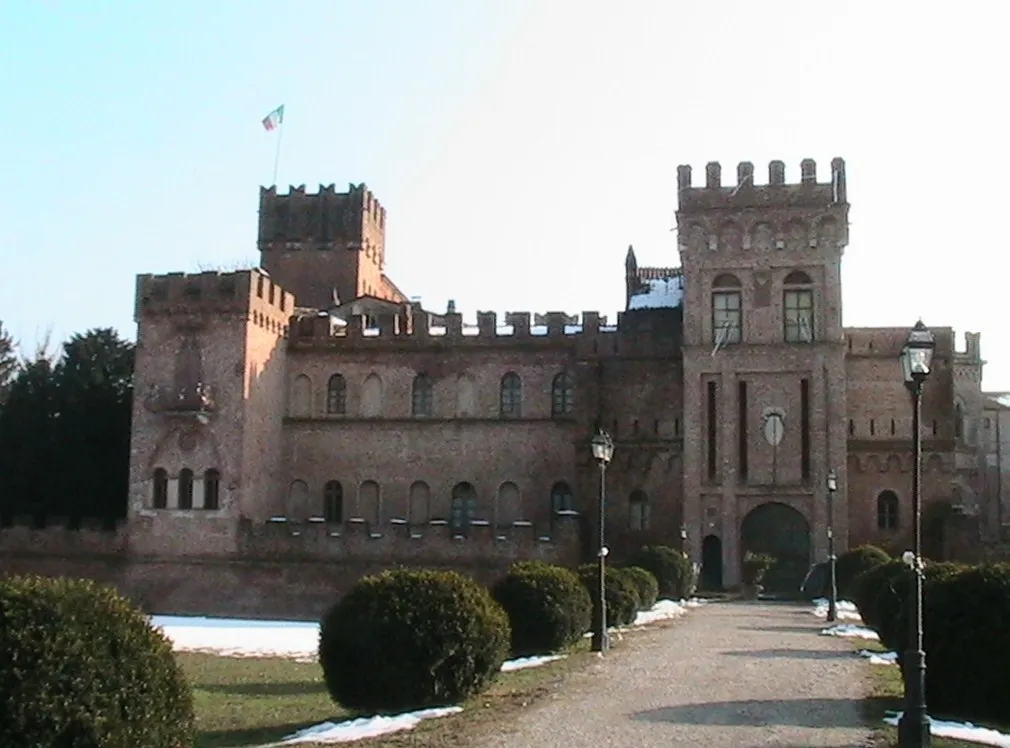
column 764, row 365
column 325, row 248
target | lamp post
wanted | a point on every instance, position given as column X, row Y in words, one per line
column 913, row 728
column 603, row 451
column 832, row 485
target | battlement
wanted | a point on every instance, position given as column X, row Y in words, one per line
column 325, row 217
column 400, row 542
column 887, row 342
column 213, row 293
column 416, row 325
column 746, row 193
column 60, row 537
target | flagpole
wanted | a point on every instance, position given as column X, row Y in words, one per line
column 277, row 153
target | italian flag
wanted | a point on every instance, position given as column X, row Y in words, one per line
column 274, row 120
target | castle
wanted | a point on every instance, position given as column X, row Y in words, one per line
column 305, row 422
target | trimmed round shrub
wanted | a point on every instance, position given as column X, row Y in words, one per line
column 81, row 667
column 854, row 562
column 967, row 642
column 407, row 639
column 646, row 584
column 622, row 598
column 894, row 605
column 871, row 586
column 673, row 570
column 549, row 609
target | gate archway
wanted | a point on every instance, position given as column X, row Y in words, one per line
column 781, row 531
column 711, row 563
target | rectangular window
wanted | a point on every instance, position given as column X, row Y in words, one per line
column 712, row 432
column 742, row 432
column 799, row 316
column 805, row 428
column 727, row 318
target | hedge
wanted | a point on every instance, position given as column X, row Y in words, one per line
column 81, row 667
column 854, row 562
column 645, row 583
column 673, row 570
column 548, row 607
column 407, row 639
column 623, row 601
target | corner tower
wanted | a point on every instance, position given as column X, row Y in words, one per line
column 764, row 364
column 326, row 247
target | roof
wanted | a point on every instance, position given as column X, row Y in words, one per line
column 659, row 293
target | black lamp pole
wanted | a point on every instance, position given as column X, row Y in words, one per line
column 913, row 728
column 832, row 485
column 603, row 451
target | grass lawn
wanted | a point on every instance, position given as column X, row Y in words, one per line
column 250, row 702
column 887, row 694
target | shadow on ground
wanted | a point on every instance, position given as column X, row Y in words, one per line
column 798, row 654
column 814, row 629
column 813, row 713
column 294, row 688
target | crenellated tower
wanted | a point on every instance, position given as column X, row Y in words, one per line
column 326, row 247
column 764, row 360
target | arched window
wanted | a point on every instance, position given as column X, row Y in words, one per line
column 727, row 310
column 159, row 489
column 419, row 503
column 958, row 421
column 511, row 396
column 798, row 308
column 369, row 503
column 212, row 489
column 336, row 395
column 638, row 514
column 887, row 510
column 333, row 502
column 185, row 488
column 562, row 393
column 561, row 498
column 423, row 395
column 464, row 507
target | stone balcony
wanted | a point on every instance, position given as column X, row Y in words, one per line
column 197, row 400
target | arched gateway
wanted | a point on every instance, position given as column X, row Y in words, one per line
column 783, row 532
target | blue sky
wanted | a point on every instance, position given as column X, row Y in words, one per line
column 518, row 145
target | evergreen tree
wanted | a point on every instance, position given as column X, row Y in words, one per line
column 8, row 362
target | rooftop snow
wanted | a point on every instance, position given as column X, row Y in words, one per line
column 660, row 293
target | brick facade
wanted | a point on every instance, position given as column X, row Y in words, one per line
column 345, row 427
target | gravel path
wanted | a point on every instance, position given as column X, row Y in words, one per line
column 729, row 675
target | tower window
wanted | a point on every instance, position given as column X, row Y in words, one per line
column 798, row 308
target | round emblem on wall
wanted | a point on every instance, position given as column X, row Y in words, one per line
column 187, row 441
column 774, row 428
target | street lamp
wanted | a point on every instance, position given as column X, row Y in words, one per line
column 603, row 451
column 832, row 485
column 913, row 728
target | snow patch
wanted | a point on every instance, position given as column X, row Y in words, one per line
column 959, row 731
column 879, row 658
column 851, row 631
column 366, row 727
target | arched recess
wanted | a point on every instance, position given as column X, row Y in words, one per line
column 562, row 499
column 298, row 501
column 371, row 396
column 336, row 395
column 762, row 239
column 730, row 237
column 466, row 396
column 827, row 232
column 464, row 507
column 797, row 235
column 212, row 489
column 301, row 397
column 507, row 505
column 370, row 503
column 783, row 532
column 711, row 563
column 419, row 503
column 638, row 510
